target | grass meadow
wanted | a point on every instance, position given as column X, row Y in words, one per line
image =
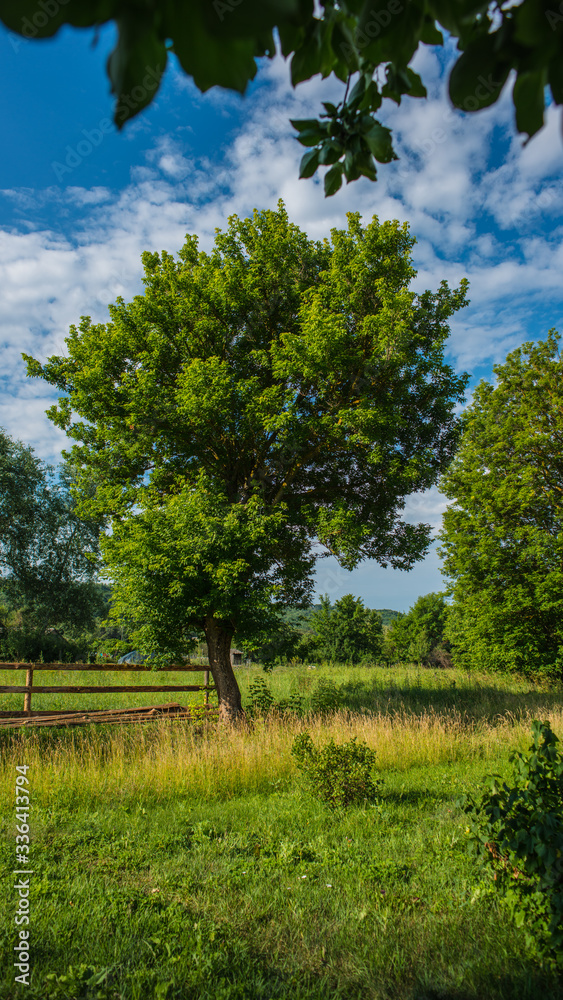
column 173, row 861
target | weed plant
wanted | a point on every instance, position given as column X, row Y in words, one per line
column 518, row 830
column 338, row 774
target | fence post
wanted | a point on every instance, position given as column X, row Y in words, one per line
column 27, row 695
column 206, row 682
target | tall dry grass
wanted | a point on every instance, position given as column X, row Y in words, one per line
column 175, row 759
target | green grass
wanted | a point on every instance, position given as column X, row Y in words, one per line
column 184, row 862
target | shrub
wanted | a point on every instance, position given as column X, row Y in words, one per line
column 325, row 697
column 339, row 775
column 293, row 704
column 261, row 698
column 33, row 645
column 518, row 829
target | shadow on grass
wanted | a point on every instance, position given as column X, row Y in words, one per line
column 414, row 798
column 476, row 701
column 229, row 968
column 529, row 985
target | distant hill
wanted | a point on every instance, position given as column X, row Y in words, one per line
column 299, row 618
column 387, row 616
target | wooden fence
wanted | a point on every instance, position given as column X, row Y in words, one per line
column 27, row 717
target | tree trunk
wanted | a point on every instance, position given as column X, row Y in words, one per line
column 219, row 637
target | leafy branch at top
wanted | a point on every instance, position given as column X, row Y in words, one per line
column 218, row 43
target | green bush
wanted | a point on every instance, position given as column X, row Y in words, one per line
column 339, row 775
column 32, row 645
column 261, row 698
column 325, row 696
column 293, row 704
column 518, row 829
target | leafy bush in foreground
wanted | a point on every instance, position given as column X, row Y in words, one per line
column 337, row 774
column 518, row 827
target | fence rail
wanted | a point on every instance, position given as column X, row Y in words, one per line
column 78, row 716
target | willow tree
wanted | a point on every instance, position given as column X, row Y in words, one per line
column 258, row 406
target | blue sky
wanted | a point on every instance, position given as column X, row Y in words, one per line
column 480, row 205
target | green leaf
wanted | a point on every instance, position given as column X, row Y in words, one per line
column 390, row 31
column 344, row 47
column 309, row 163
column 308, row 58
column 357, row 92
column 456, row 17
column 330, row 152
column 379, row 141
column 351, row 168
column 291, row 38
column 135, row 67
column 417, row 88
column 398, row 82
column 477, row 79
column 28, row 18
column 333, row 180
column 224, row 62
column 304, row 124
column 250, row 18
column 533, row 27
column 311, row 138
column 430, row 34
column 372, row 98
column 528, row 96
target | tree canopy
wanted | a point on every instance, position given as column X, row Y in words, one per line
column 419, row 634
column 502, row 540
column 48, row 554
column 347, row 631
column 257, row 406
column 367, row 44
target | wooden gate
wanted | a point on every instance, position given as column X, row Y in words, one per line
column 65, row 717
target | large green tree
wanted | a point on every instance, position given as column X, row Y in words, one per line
column 502, row 540
column 367, row 43
column 419, row 634
column 48, row 554
column 255, row 407
column 347, row 630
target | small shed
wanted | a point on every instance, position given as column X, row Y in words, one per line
column 236, row 657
